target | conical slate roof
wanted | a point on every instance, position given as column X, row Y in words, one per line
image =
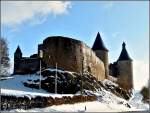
column 98, row 44
column 18, row 50
column 124, row 54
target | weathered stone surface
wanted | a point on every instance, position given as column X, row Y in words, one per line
column 72, row 55
column 125, row 77
column 103, row 55
column 26, row 65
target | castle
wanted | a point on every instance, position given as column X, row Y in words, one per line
column 74, row 55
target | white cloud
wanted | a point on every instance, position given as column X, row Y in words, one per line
column 17, row 12
column 141, row 74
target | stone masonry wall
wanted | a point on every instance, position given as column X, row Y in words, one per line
column 103, row 55
column 70, row 54
column 26, row 66
column 125, row 77
column 93, row 64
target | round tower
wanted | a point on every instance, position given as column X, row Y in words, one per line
column 101, row 51
column 125, row 68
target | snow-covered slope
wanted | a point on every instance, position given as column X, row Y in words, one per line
column 110, row 103
column 106, row 101
column 14, row 86
column 94, row 106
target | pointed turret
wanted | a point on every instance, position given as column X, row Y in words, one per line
column 98, row 44
column 101, row 51
column 18, row 53
column 125, row 69
column 124, row 54
column 18, row 50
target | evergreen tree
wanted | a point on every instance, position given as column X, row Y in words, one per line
column 4, row 59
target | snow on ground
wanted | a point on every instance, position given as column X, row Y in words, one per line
column 52, row 69
column 14, row 86
column 94, row 106
column 33, row 94
column 136, row 101
column 106, row 81
column 58, row 70
column 106, row 102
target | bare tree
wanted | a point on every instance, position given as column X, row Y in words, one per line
column 4, row 59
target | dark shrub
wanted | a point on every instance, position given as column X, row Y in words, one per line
column 50, row 101
column 58, row 101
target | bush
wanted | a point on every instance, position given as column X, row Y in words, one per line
column 50, row 101
column 145, row 93
column 67, row 99
column 58, row 101
column 40, row 102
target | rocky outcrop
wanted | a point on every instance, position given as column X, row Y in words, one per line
column 67, row 82
column 72, row 83
column 116, row 89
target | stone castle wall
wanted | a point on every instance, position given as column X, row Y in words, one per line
column 26, row 65
column 103, row 55
column 93, row 64
column 70, row 54
column 125, row 77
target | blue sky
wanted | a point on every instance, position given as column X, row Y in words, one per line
column 28, row 23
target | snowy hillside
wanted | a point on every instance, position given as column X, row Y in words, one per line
column 14, row 86
column 95, row 106
column 106, row 100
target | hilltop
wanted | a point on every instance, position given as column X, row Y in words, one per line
column 108, row 94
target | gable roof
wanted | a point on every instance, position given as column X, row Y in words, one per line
column 98, row 44
column 124, row 54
